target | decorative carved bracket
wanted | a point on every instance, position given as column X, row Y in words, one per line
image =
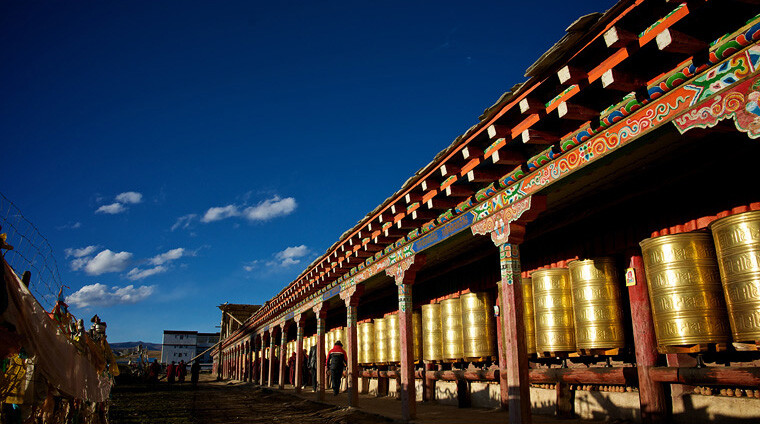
column 351, row 295
column 405, row 270
column 319, row 310
column 508, row 224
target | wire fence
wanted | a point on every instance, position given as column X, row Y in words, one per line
column 31, row 252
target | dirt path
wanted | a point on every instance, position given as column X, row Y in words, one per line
column 219, row 403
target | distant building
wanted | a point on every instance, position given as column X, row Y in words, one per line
column 185, row 345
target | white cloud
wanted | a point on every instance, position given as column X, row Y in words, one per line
column 282, row 259
column 78, row 253
column 79, row 263
column 184, row 221
column 290, row 256
column 293, row 252
column 70, row 226
column 111, row 209
column 139, row 274
column 220, row 212
column 129, row 197
column 168, row 256
column 270, row 208
column 250, row 266
column 107, row 261
column 100, row 295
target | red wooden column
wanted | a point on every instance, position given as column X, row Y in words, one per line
column 351, row 297
column 654, row 405
column 271, row 357
column 503, row 386
column 428, row 392
column 320, row 312
column 299, row 352
column 264, row 341
column 283, row 348
column 506, row 228
column 404, row 272
column 512, row 321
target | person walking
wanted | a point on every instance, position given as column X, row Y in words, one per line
column 181, row 371
column 170, row 373
column 256, row 367
column 304, row 370
column 292, row 369
column 195, row 373
column 336, row 362
column 153, row 370
column 313, row 366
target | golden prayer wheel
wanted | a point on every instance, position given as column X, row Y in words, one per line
column 339, row 336
column 684, row 289
column 451, row 323
column 417, row 335
column 381, row 341
column 432, row 337
column 553, row 310
column 596, row 304
column 366, row 335
column 737, row 243
column 479, row 333
column 528, row 320
column 394, row 337
column 329, row 340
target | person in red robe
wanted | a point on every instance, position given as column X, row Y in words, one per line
column 181, row 371
column 256, row 370
column 170, row 373
column 292, row 368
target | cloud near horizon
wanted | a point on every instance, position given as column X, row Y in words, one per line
column 101, row 295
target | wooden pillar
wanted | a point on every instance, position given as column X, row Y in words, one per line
column 283, row 349
column 512, row 321
column 501, row 345
column 321, row 313
column 382, row 381
column 428, row 389
column 565, row 400
column 271, row 357
column 404, row 272
column 262, row 365
column 299, row 352
column 652, row 397
column 507, row 229
column 351, row 297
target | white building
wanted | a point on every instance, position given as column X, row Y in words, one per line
column 185, row 345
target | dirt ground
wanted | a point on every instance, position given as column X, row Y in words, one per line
column 218, row 403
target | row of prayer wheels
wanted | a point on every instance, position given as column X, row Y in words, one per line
column 574, row 308
column 705, row 288
column 334, row 335
column 457, row 329
column 379, row 340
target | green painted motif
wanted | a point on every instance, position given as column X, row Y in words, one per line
column 445, row 217
column 660, row 21
column 485, row 192
column 559, row 96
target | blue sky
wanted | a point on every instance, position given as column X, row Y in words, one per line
column 203, row 152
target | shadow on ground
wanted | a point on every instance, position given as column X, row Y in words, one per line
column 217, row 403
